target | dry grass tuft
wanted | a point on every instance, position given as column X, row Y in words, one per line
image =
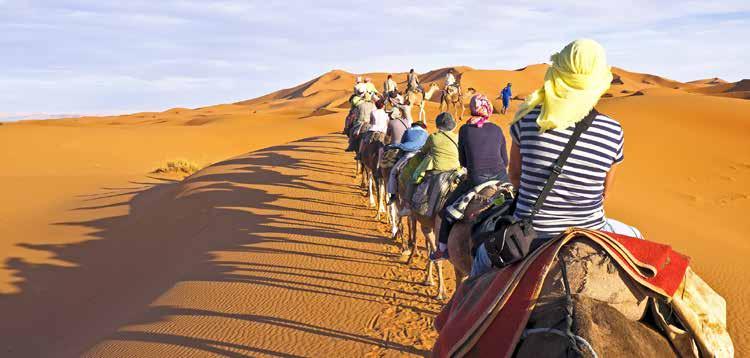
column 178, row 166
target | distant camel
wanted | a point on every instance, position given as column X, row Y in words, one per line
column 417, row 98
column 452, row 101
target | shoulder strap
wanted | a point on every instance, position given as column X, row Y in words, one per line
column 451, row 139
column 556, row 169
column 403, row 123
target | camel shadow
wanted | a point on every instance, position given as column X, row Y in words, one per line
column 172, row 228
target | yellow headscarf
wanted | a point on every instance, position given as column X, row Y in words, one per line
column 579, row 75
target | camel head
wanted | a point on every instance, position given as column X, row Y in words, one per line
column 433, row 88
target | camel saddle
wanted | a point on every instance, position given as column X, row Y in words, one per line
column 612, row 278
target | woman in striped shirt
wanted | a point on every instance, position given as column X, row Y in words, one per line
column 579, row 75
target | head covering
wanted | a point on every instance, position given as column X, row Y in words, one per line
column 579, row 75
column 359, row 79
column 481, row 109
column 445, row 122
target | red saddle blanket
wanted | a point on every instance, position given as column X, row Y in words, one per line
column 487, row 314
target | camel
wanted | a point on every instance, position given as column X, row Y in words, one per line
column 427, row 225
column 452, row 101
column 414, row 97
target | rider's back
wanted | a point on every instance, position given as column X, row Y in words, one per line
column 482, row 152
column 577, row 198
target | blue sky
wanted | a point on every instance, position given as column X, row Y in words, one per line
column 102, row 57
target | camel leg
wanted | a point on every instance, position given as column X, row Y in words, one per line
column 412, row 239
column 429, row 234
column 370, row 187
column 395, row 220
column 363, row 172
column 380, row 186
column 403, row 230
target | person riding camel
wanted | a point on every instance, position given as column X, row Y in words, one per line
column 506, row 95
column 360, row 88
column 378, row 118
column 397, row 126
column 450, row 82
column 411, row 142
column 441, row 147
column 578, row 77
column 482, row 151
column 389, row 86
column 412, row 83
column 398, row 101
column 359, row 124
column 370, row 88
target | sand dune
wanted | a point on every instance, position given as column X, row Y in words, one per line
column 273, row 252
column 708, row 82
column 739, row 89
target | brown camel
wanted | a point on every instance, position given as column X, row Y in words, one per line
column 604, row 301
column 452, row 101
column 427, row 225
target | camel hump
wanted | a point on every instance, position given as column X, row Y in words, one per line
column 604, row 328
column 605, row 300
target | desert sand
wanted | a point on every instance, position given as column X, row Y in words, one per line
column 271, row 249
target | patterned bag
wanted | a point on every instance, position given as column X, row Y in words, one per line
column 390, row 157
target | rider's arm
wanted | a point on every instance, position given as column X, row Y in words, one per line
column 514, row 165
column 609, row 179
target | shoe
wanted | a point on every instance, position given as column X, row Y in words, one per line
column 439, row 255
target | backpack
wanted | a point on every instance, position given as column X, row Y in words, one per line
column 508, row 239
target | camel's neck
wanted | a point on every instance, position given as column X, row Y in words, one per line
column 430, row 92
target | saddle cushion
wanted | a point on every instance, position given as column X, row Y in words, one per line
column 431, row 194
column 488, row 313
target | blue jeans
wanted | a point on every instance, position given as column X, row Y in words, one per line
column 482, row 262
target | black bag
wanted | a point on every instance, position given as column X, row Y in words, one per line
column 507, row 239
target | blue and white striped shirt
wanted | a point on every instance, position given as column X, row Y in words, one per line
column 576, row 199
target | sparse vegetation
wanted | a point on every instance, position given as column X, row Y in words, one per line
column 178, row 166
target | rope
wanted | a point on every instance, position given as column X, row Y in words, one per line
column 568, row 306
column 558, row 332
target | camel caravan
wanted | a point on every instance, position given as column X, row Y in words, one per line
column 540, row 269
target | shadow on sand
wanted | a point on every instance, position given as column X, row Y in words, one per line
column 132, row 259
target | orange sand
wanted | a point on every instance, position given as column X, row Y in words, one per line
column 274, row 252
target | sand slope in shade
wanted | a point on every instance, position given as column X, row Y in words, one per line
column 276, row 246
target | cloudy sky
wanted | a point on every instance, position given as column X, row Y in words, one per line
column 102, row 57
